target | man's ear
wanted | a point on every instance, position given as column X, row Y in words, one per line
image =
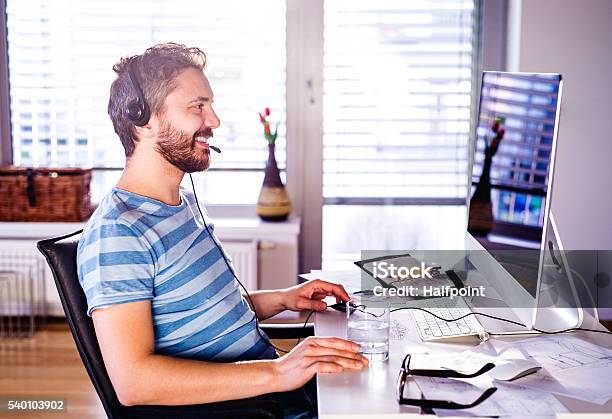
column 148, row 130
column 144, row 131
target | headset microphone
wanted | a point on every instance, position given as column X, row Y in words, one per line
column 217, row 149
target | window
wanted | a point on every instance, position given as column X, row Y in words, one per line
column 61, row 55
column 398, row 78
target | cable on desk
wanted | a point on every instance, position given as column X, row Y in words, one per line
column 304, row 326
column 475, row 313
column 556, row 332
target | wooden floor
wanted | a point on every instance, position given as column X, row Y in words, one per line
column 49, row 366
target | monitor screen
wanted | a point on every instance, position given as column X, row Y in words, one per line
column 512, row 158
column 512, row 168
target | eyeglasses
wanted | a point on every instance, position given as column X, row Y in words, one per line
column 405, row 371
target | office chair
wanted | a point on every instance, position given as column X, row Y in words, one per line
column 60, row 253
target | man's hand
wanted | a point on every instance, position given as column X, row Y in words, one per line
column 308, row 296
column 316, row 355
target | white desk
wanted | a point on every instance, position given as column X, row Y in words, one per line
column 372, row 390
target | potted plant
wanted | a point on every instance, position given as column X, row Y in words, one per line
column 273, row 203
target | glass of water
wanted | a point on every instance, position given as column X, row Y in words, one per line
column 368, row 326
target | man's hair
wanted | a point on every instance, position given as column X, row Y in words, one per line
column 156, row 71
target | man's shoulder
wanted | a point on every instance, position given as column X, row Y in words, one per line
column 138, row 221
column 114, row 217
column 123, row 207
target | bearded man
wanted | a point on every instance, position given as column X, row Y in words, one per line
column 171, row 322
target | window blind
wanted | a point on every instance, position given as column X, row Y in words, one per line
column 61, row 54
column 396, row 97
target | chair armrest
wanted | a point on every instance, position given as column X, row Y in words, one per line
column 251, row 408
column 287, row 330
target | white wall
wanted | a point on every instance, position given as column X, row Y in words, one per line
column 574, row 38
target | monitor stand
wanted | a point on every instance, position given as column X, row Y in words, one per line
column 557, row 304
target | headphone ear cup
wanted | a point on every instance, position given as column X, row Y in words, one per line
column 138, row 114
column 137, row 111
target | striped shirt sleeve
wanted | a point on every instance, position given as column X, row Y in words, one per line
column 115, row 266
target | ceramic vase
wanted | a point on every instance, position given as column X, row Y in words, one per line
column 481, row 210
column 273, row 203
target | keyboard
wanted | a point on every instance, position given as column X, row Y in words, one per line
column 432, row 328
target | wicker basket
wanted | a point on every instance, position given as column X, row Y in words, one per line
column 44, row 194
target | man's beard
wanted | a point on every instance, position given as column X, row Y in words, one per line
column 179, row 149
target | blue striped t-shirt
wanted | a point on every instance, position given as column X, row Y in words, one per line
column 136, row 248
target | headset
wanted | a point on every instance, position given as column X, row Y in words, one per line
column 137, row 111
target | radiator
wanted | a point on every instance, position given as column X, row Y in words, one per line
column 244, row 259
column 22, row 290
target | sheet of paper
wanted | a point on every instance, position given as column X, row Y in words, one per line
column 570, row 366
column 398, row 330
column 467, row 361
column 508, row 401
column 565, row 353
column 492, row 347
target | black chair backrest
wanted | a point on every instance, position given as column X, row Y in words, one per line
column 61, row 253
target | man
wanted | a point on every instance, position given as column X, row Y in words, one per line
column 171, row 322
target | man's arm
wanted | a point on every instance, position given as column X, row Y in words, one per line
column 140, row 377
column 306, row 296
column 267, row 303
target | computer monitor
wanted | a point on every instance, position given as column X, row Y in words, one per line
column 511, row 182
column 513, row 157
column 513, row 162
column 510, row 230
